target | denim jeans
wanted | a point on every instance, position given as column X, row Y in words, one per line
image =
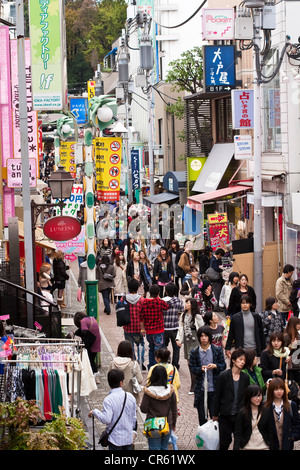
column 138, row 340
column 156, row 341
column 106, row 299
column 159, row 443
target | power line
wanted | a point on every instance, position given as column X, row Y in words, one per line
column 186, row 21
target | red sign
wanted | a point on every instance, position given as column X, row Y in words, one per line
column 62, row 228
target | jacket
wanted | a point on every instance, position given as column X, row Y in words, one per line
column 186, row 262
column 283, row 289
column 156, row 402
column 173, row 375
column 224, row 393
column 163, row 276
column 130, row 272
column 60, row 270
column 234, row 305
column 290, row 431
column 196, row 369
column 130, row 368
column 243, row 429
column 269, row 362
column 104, row 283
column 236, row 333
column 260, row 380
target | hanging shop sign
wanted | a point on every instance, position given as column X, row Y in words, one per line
column 91, row 89
column 135, row 169
column 108, row 155
column 72, row 205
column 194, row 168
column 218, row 230
column 14, row 172
column 218, row 24
column 32, row 118
column 242, row 109
column 219, row 68
column 79, row 108
column 62, row 228
column 242, row 147
column 48, row 54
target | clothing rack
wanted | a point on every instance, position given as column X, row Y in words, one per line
column 57, row 342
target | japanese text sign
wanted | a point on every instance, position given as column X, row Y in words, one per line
column 48, row 54
column 219, row 68
column 218, row 24
column 79, row 108
column 67, row 157
column 218, row 230
column 135, row 168
column 73, row 204
column 108, row 154
column 242, row 109
column 14, row 172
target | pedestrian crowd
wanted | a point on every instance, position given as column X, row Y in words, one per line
column 243, row 364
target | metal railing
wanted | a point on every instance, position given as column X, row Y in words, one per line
column 29, row 310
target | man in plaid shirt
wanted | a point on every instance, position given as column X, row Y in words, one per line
column 171, row 320
column 132, row 331
column 152, row 321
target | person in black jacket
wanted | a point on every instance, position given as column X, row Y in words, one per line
column 60, row 276
column 246, row 329
column 235, row 297
column 135, row 270
column 163, row 272
column 253, row 429
column 284, row 416
column 204, row 259
column 229, row 394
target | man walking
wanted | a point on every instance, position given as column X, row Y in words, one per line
column 283, row 290
column 171, row 320
column 152, row 321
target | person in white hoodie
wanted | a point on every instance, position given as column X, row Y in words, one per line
column 124, row 361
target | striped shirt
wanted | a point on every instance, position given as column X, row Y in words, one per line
column 122, row 434
column 171, row 316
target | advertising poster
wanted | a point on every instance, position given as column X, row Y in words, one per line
column 14, row 172
column 218, row 230
column 218, row 24
column 67, row 157
column 73, row 204
column 242, row 109
column 48, row 56
column 108, row 155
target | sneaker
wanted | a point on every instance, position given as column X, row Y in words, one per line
column 191, row 392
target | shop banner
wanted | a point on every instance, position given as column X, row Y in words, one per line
column 194, row 168
column 108, row 155
column 73, row 203
column 48, row 54
column 67, row 157
column 14, row 172
column 242, row 147
column 218, row 24
column 70, row 247
column 91, row 89
column 5, row 97
column 32, row 119
column 135, row 169
column 218, row 230
column 242, row 109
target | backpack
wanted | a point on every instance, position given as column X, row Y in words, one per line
column 123, row 312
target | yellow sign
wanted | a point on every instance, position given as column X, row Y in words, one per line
column 108, row 155
column 91, row 89
column 217, row 218
column 67, row 157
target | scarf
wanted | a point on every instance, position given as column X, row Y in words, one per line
column 285, row 353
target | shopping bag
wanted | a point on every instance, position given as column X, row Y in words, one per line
column 207, row 436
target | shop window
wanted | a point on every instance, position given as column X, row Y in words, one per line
column 224, row 120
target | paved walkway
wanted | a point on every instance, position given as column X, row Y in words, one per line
column 187, row 422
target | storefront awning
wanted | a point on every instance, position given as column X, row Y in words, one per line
column 214, row 168
column 40, row 238
column 160, row 198
column 195, row 202
column 174, row 180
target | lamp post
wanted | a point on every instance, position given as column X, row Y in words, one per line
column 61, row 183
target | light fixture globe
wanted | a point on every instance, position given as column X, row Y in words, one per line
column 61, row 183
column 105, row 114
column 66, row 128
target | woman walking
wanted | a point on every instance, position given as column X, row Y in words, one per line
column 105, row 275
column 163, row 272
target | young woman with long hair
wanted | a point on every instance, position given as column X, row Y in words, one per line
column 284, row 416
column 163, row 269
column 273, row 359
column 189, row 322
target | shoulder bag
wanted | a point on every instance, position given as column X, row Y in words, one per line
column 136, row 387
column 105, row 434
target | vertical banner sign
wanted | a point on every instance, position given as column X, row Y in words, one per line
column 108, row 155
column 219, row 68
column 33, row 146
column 67, row 157
column 218, row 230
column 5, row 97
column 14, row 172
column 135, row 168
column 242, row 109
column 194, row 167
column 48, row 54
column 91, row 89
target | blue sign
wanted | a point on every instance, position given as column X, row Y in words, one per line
column 79, row 107
column 219, row 68
column 135, row 169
